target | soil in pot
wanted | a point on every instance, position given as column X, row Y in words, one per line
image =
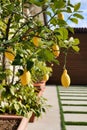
column 11, row 124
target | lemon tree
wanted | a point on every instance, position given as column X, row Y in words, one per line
column 26, row 41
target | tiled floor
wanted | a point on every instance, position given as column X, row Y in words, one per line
column 73, row 99
column 74, row 104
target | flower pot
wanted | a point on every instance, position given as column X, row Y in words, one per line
column 13, row 122
column 40, row 87
column 32, row 118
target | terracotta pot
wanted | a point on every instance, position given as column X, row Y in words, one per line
column 40, row 87
column 8, row 121
column 32, row 118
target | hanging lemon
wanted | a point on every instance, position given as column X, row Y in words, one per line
column 45, row 77
column 9, row 54
column 65, row 79
column 25, row 77
column 36, row 41
column 60, row 16
column 56, row 50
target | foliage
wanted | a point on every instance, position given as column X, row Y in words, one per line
column 19, row 100
column 39, row 70
column 19, row 30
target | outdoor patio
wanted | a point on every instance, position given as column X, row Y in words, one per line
column 74, row 105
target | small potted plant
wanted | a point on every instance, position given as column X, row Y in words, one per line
column 40, row 74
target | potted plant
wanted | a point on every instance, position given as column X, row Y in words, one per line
column 26, row 45
column 40, row 74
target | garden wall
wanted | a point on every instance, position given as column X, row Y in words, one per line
column 76, row 63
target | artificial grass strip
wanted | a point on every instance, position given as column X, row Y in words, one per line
column 76, row 123
column 73, row 99
column 75, row 112
column 67, row 95
column 63, row 127
column 74, row 92
column 73, row 89
column 85, row 105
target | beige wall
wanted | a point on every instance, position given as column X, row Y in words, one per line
column 33, row 10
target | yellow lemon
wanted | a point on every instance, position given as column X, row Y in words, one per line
column 56, row 50
column 45, row 77
column 36, row 41
column 60, row 16
column 25, row 77
column 65, row 79
column 9, row 54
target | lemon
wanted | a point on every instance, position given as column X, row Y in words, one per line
column 45, row 77
column 60, row 16
column 36, row 41
column 65, row 79
column 56, row 50
column 9, row 54
column 25, row 77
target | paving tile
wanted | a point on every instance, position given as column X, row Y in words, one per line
column 74, row 94
column 76, row 127
column 73, row 102
column 76, row 117
column 72, row 87
column 70, row 97
column 75, row 108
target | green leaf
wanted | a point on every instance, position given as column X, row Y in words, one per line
column 69, row 10
column 46, row 55
column 59, row 4
column 2, row 49
column 78, row 16
column 20, row 71
column 16, row 106
column 29, row 64
column 38, row 2
column 2, row 75
column 71, row 29
column 12, row 90
column 76, row 48
column 63, row 34
column 62, row 44
column 17, row 60
column 61, row 23
column 74, row 20
column 54, row 21
column 76, row 41
column 10, row 7
column 77, row 6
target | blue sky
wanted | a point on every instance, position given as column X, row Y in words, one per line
column 81, row 23
column 83, row 8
